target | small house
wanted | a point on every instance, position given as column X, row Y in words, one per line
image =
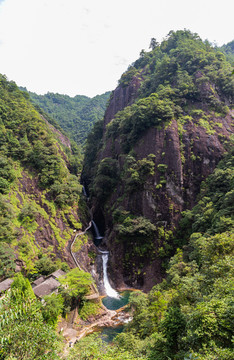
column 56, row 274
column 5, row 285
column 46, row 286
column 38, row 281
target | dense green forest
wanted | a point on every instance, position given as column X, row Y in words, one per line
column 76, row 115
column 39, row 182
column 228, row 50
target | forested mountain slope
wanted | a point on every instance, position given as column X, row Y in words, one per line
column 76, row 115
column 167, row 126
column 41, row 209
column 39, row 187
column 228, row 50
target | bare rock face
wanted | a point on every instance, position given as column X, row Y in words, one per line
column 120, row 98
column 188, row 152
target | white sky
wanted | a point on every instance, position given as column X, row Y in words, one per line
column 81, row 47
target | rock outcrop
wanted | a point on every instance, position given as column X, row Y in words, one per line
column 178, row 154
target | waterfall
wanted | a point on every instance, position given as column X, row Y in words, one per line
column 84, row 191
column 109, row 290
column 97, row 235
column 105, row 254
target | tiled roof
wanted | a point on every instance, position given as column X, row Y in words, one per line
column 38, row 281
column 57, row 273
column 46, row 287
column 5, row 285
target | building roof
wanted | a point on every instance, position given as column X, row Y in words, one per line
column 46, row 287
column 38, row 281
column 5, row 285
column 57, row 273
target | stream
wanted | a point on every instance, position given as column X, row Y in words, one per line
column 116, row 303
column 109, row 333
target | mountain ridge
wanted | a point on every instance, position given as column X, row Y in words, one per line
column 75, row 115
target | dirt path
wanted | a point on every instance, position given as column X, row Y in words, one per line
column 78, row 234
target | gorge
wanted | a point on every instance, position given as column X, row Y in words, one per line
column 158, row 218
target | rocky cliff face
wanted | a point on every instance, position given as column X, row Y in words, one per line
column 159, row 175
column 121, row 97
column 189, row 156
column 52, row 231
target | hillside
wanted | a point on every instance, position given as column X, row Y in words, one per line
column 165, row 130
column 39, row 187
column 42, row 213
column 228, row 50
column 76, row 115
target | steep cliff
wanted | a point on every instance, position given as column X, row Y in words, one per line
column 167, row 126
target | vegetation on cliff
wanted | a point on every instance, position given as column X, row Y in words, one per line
column 38, row 193
column 190, row 314
column 153, row 152
column 228, row 50
column 181, row 74
column 158, row 204
column 40, row 208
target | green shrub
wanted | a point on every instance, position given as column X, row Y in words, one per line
column 88, row 309
column 134, row 120
column 52, row 308
column 7, row 263
column 162, row 168
column 45, row 265
column 106, row 178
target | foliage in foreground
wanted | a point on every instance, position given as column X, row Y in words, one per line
column 24, row 333
column 92, row 347
column 27, row 325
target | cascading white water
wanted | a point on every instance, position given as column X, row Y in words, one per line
column 105, row 254
column 109, row 290
column 84, row 191
column 96, row 231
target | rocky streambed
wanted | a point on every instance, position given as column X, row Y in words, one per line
column 78, row 329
